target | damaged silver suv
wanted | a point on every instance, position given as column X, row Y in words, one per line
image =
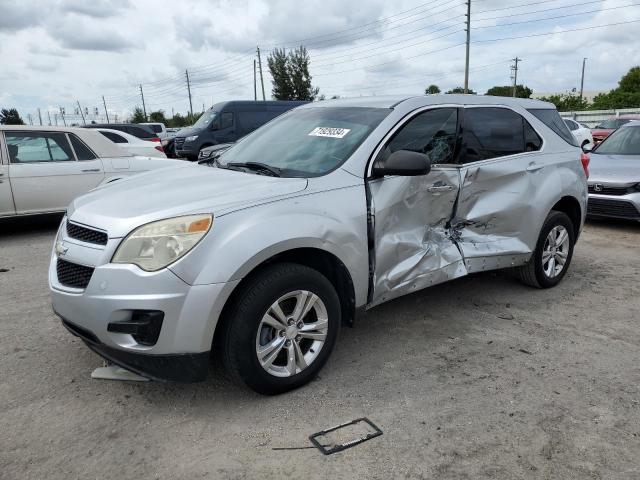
column 326, row 211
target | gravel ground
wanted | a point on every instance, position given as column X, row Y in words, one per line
column 478, row 378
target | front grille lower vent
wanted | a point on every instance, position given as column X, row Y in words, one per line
column 72, row 274
column 85, row 234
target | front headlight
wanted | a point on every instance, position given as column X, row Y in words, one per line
column 158, row 244
column 192, row 138
column 204, row 154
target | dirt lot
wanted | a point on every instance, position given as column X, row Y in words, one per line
column 479, row 378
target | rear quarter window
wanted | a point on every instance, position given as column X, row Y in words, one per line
column 552, row 119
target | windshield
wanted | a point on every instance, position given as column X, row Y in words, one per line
column 205, row 119
column 613, row 123
column 307, row 142
column 625, row 141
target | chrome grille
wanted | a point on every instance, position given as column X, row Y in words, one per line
column 72, row 274
column 85, row 234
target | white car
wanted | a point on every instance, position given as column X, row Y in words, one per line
column 42, row 169
column 133, row 145
column 581, row 133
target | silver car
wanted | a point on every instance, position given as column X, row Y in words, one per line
column 614, row 184
column 43, row 168
column 327, row 211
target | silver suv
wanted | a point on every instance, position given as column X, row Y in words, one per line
column 326, row 211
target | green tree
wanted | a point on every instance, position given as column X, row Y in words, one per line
column 567, row 102
column 138, row 116
column 432, row 90
column 290, row 73
column 460, row 90
column 158, row 117
column 626, row 95
column 10, row 117
column 507, row 91
column 631, row 81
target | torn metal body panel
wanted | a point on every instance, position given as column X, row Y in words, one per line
column 413, row 244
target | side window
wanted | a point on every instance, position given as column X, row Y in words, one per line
column 31, row 147
column 573, row 126
column 82, row 151
column 226, row 120
column 433, row 133
column 114, row 137
column 492, row 132
column 532, row 141
column 551, row 118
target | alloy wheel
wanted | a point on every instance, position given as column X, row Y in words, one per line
column 556, row 251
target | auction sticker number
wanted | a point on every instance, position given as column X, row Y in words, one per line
column 329, row 132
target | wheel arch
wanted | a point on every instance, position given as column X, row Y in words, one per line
column 571, row 207
column 323, row 261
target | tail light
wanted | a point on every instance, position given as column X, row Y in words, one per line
column 584, row 159
column 155, row 139
column 160, row 149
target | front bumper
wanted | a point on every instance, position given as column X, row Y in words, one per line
column 625, row 207
column 115, row 293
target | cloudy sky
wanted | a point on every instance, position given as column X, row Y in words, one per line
column 57, row 52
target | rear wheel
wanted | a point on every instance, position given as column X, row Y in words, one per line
column 552, row 256
column 282, row 329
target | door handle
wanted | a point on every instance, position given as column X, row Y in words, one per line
column 440, row 188
column 91, row 170
column 534, row 167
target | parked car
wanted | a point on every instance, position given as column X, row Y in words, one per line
column 208, row 153
column 136, row 129
column 581, row 133
column 158, row 128
column 133, row 145
column 43, row 168
column 603, row 130
column 227, row 122
column 614, row 184
column 330, row 209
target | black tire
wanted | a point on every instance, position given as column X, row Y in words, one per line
column 532, row 273
column 242, row 321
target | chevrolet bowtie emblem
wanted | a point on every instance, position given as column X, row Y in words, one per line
column 61, row 249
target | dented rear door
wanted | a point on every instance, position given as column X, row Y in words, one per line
column 503, row 175
column 412, row 246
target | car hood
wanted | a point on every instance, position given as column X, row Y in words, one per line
column 187, row 131
column 622, row 170
column 124, row 205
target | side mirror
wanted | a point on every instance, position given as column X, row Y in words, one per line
column 402, row 162
column 587, row 148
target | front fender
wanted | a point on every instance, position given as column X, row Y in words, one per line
column 333, row 221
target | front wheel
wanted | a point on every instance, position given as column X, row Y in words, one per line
column 552, row 256
column 282, row 328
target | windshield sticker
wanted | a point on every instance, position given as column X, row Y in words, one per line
column 329, row 132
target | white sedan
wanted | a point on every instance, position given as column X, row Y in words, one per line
column 581, row 133
column 43, row 168
column 133, row 145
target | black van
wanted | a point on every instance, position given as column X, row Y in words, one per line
column 227, row 122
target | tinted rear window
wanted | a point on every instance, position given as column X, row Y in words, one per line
column 156, row 128
column 552, row 119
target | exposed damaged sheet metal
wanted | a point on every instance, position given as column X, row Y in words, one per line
column 495, row 210
column 413, row 245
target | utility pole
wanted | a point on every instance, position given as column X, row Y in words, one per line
column 584, row 61
column 105, row 108
column 255, row 87
column 514, row 68
column 49, row 115
column 62, row 114
column 144, row 107
column 39, row 116
column 466, row 65
column 30, row 119
column 186, row 72
column 81, row 114
column 260, row 68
